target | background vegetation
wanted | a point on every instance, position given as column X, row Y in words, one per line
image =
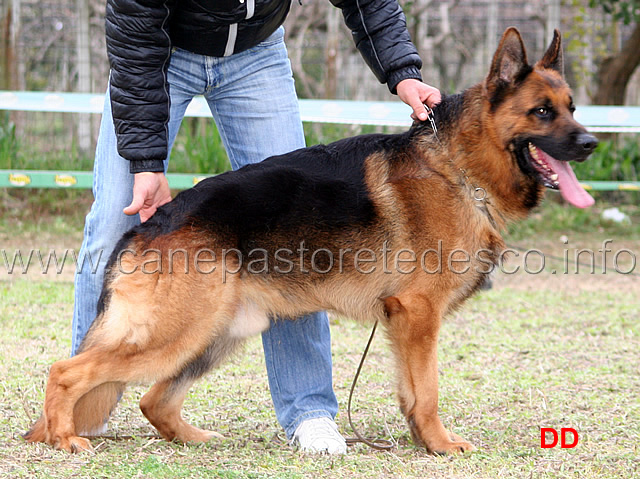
column 59, row 45
column 526, row 355
column 543, row 350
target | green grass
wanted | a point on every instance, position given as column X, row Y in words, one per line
column 52, row 211
column 536, row 351
column 554, row 217
column 511, row 362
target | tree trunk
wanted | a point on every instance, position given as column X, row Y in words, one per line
column 614, row 72
column 10, row 18
column 331, row 53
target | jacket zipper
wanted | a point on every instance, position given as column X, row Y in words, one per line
column 233, row 28
column 251, row 7
column 231, row 39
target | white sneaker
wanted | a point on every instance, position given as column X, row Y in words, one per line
column 319, row 435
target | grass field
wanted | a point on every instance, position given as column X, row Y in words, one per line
column 538, row 350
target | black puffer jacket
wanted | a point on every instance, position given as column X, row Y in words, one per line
column 141, row 33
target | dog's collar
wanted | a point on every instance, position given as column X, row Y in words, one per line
column 479, row 193
column 432, row 120
column 480, row 196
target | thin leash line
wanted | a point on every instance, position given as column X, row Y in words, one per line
column 385, row 444
column 378, row 444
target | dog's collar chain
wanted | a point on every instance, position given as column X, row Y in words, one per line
column 432, row 120
column 479, row 193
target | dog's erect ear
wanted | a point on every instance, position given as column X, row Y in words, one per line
column 553, row 56
column 508, row 62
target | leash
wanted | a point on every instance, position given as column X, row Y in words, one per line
column 377, row 444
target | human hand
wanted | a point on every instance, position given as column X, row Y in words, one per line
column 415, row 94
column 150, row 191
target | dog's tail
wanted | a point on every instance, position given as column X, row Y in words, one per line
column 38, row 431
column 93, row 410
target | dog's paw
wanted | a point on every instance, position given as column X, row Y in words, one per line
column 456, row 445
column 208, row 435
column 74, row 444
column 190, row 433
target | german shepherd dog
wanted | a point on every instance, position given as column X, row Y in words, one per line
column 359, row 227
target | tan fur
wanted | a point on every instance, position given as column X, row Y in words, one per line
column 166, row 322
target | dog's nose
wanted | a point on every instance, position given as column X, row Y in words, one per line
column 587, row 142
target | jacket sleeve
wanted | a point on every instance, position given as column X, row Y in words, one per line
column 138, row 47
column 379, row 29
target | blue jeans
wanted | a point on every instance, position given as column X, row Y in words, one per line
column 253, row 101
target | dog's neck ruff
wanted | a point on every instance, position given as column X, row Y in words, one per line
column 479, row 193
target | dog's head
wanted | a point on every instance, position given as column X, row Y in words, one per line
column 535, row 111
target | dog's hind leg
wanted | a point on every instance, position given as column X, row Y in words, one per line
column 163, row 403
column 87, row 374
column 70, row 380
column 162, row 406
column 90, row 413
column 413, row 329
column 150, row 330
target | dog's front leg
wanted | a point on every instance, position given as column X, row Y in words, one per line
column 413, row 329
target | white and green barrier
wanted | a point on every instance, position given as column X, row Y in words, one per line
column 597, row 119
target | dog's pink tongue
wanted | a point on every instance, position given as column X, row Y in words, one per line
column 570, row 189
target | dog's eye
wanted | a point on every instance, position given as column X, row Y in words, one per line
column 542, row 112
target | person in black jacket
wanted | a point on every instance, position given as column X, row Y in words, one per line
column 164, row 52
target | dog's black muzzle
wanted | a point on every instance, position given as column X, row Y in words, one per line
column 585, row 144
